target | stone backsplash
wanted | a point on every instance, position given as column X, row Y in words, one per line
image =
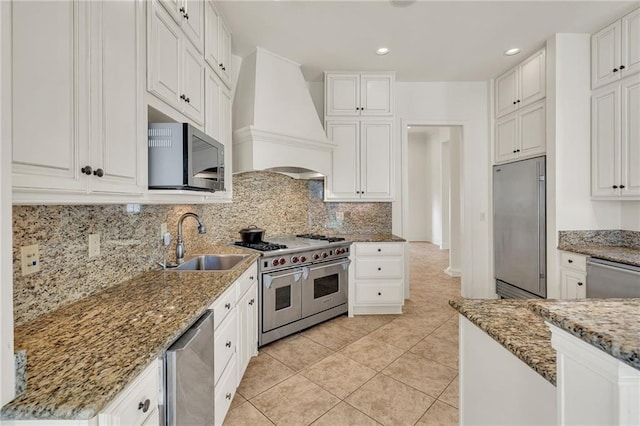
column 130, row 243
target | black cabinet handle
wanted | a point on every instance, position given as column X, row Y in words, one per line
column 514, row 151
column 220, row 65
column 517, row 150
column 621, row 67
column 514, row 102
column 144, row 406
column 621, row 186
column 228, row 344
column 252, row 301
column 98, row 172
column 187, row 100
column 615, row 70
column 579, row 284
column 186, row 16
column 228, row 396
column 87, row 170
column 615, row 186
column 227, row 305
column 570, row 261
column 251, row 277
column 182, row 9
column 183, row 97
column 518, row 101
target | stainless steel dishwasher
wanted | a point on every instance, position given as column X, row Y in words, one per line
column 607, row 279
column 189, row 376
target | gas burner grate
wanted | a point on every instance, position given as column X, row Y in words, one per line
column 320, row 237
column 261, row 246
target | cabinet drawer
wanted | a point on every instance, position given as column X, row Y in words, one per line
column 574, row 261
column 380, row 249
column 225, row 341
column 244, row 282
column 379, row 267
column 367, row 294
column 128, row 406
column 223, row 305
column 224, row 391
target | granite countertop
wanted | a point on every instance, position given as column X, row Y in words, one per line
column 82, row 355
column 512, row 324
column 628, row 255
column 372, row 238
column 612, row 325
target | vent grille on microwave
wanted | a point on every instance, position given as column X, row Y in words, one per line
column 159, row 143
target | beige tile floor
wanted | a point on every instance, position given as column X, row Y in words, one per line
column 366, row 370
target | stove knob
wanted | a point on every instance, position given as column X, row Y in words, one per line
column 303, row 258
column 339, row 251
column 282, row 261
column 316, row 256
column 295, row 259
column 324, row 255
column 275, row 262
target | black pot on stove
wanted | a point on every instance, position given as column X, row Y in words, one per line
column 252, row 234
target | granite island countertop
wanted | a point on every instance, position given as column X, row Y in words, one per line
column 82, row 355
column 611, row 325
column 371, row 238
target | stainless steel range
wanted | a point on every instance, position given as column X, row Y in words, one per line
column 303, row 281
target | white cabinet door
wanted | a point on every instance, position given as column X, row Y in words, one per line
column 532, row 130
column 193, row 22
column 573, row 284
column 213, row 114
column 605, row 55
column 224, row 40
column 342, row 94
column 376, row 94
column 506, row 138
column 532, row 79
column 344, row 180
column 248, row 327
column 630, row 137
column 507, row 92
column 605, row 141
column 630, row 43
column 173, row 7
column 211, row 31
column 164, row 56
column 118, row 133
column 50, row 95
column 193, row 84
column 375, row 160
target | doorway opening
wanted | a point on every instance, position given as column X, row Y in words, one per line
column 432, row 202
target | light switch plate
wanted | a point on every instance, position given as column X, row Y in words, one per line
column 94, row 245
column 30, row 258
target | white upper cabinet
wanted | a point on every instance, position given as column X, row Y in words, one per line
column 81, row 130
column 217, row 47
column 175, row 69
column 359, row 94
column 521, row 134
column 615, row 140
column 189, row 15
column 361, row 161
column 615, row 50
column 521, row 85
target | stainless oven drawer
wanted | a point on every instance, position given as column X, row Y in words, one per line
column 610, row 279
column 281, row 298
column 325, row 287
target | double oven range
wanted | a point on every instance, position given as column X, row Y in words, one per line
column 303, row 280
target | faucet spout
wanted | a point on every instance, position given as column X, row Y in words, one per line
column 180, row 250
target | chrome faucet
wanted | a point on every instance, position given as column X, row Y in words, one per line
column 180, row 251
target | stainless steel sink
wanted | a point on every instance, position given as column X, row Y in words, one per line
column 212, row 262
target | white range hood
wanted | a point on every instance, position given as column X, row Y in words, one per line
column 276, row 126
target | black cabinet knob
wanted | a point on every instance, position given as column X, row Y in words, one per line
column 224, row 68
column 518, row 101
column 228, row 344
column 517, row 150
column 379, row 269
column 144, row 406
column 379, row 249
column 87, row 170
column 221, row 65
column 187, row 100
column 621, row 186
column 98, row 172
column 186, row 16
column 615, row 70
column 570, row 261
column 514, row 102
column 514, row 151
column 182, row 9
column 183, row 97
column 621, row 67
column 615, row 186
column 228, row 396
column 579, row 284
column 227, row 305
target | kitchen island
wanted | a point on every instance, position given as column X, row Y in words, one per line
column 589, row 348
column 82, row 355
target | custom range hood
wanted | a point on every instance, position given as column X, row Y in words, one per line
column 276, row 127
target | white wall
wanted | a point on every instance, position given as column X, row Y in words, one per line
column 419, row 197
column 630, row 215
column 465, row 104
column 7, row 369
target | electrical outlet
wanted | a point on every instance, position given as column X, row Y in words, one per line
column 163, row 229
column 94, row 245
column 30, row 257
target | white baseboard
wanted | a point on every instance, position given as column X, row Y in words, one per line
column 453, row 272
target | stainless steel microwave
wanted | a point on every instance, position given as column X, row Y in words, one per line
column 183, row 157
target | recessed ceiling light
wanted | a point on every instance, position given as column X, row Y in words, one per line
column 383, row 51
column 408, row 127
column 512, row 52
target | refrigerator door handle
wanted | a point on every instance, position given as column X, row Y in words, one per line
column 542, row 262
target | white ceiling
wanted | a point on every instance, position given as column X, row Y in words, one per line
column 429, row 40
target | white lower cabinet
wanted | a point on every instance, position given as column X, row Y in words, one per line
column 573, row 276
column 377, row 281
column 247, row 327
column 137, row 404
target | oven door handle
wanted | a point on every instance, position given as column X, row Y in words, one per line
column 345, row 264
column 267, row 280
column 305, row 272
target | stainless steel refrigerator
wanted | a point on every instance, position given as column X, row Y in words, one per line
column 519, row 228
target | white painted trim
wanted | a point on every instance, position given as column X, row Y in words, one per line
column 7, row 364
column 453, row 272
